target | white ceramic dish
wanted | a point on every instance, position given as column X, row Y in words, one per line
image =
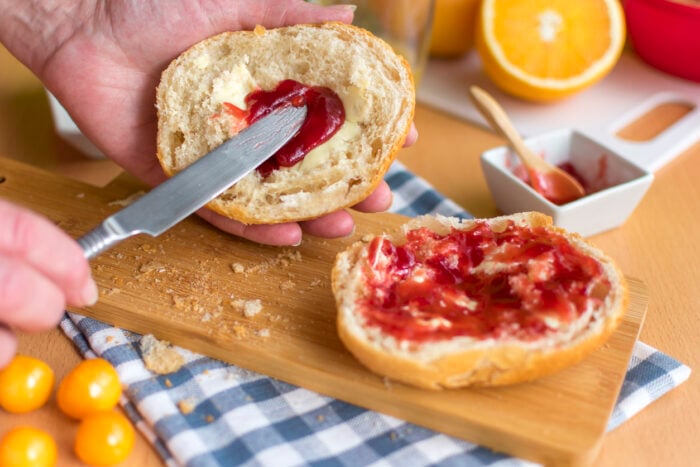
column 625, row 183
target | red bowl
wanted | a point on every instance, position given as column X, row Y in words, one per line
column 666, row 35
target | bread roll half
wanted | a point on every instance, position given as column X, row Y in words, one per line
column 519, row 300
column 374, row 84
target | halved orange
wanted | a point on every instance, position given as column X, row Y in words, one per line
column 544, row 50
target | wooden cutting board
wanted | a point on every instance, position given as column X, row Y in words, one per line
column 191, row 286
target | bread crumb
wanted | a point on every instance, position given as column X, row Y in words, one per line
column 287, row 286
column 249, row 308
column 148, row 248
column 110, row 291
column 188, row 304
column 159, row 356
column 168, row 383
column 128, row 200
column 387, row 382
column 109, row 339
column 151, row 266
column 186, row 406
column 320, row 418
column 282, row 261
column 118, row 281
column 209, row 418
column 252, row 308
column 259, row 30
column 240, row 331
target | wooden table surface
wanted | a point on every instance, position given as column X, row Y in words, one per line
column 658, row 245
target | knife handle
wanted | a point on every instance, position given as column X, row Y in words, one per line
column 98, row 240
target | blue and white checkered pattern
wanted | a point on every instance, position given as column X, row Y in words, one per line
column 245, row 418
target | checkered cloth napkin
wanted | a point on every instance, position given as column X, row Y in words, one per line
column 238, row 417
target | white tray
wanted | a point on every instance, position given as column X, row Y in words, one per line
column 630, row 90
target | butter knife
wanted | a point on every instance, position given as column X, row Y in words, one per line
column 196, row 185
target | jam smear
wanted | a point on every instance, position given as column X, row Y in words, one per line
column 325, row 115
column 521, row 282
column 599, row 182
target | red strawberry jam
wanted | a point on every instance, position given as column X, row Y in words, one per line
column 325, row 115
column 520, row 282
column 599, row 182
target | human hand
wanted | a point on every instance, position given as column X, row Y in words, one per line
column 41, row 270
column 106, row 71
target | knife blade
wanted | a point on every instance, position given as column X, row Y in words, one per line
column 200, row 182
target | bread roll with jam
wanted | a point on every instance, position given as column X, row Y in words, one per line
column 446, row 303
column 360, row 98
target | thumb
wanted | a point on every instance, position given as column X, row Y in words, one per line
column 277, row 13
column 312, row 13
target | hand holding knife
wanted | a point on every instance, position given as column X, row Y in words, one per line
column 188, row 190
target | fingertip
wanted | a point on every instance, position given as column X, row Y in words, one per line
column 344, row 8
column 286, row 234
column 289, row 234
column 313, row 12
column 412, row 136
column 78, row 284
column 343, row 12
column 8, row 345
column 334, row 225
column 379, row 200
column 29, row 301
column 90, row 292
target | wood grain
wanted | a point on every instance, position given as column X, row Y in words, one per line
column 187, row 287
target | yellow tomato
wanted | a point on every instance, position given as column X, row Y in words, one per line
column 25, row 384
column 92, row 386
column 27, row 447
column 104, row 438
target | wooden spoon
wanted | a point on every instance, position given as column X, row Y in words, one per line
column 548, row 180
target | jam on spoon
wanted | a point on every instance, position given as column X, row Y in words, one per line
column 548, row 180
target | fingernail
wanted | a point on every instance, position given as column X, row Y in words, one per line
column 345, row 6
column 90, row 293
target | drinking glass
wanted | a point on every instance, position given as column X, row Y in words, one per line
column 405, row 24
